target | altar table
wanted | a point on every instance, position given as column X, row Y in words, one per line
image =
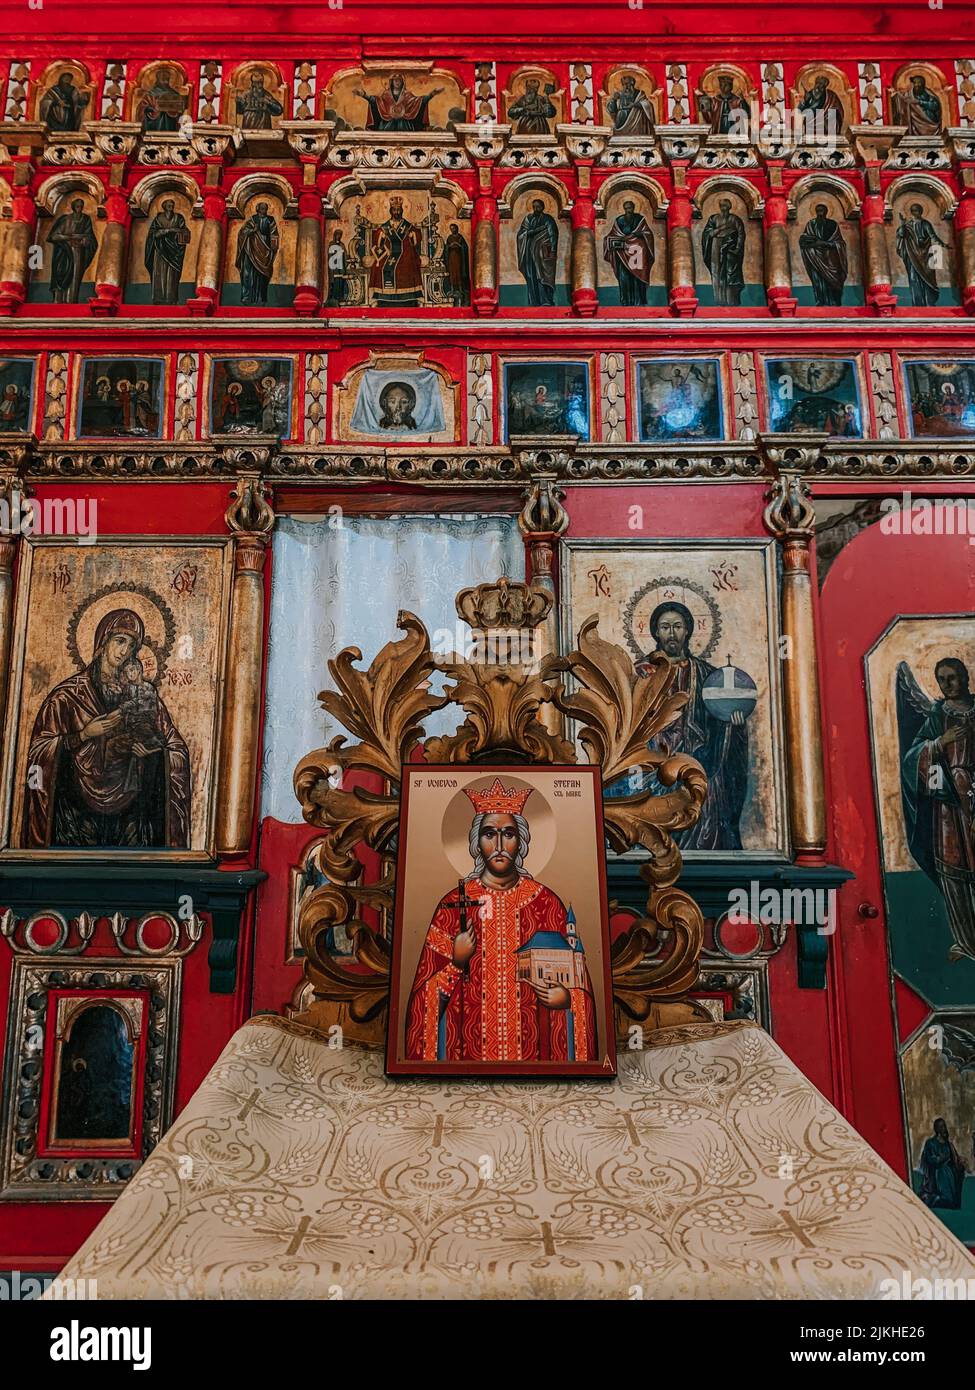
column 710, row 1168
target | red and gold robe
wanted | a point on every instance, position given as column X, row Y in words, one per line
column 484, row 1013
column 396, row 259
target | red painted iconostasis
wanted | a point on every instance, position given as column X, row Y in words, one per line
column 301, row 328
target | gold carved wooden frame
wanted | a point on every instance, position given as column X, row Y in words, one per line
column 513, row 706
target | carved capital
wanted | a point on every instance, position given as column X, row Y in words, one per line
column 250, row 515
column 789, row 514
column 584, row 142
column 114, row 139
column 213, row 141
column 681, row 142
column 309, row 139
column 484, row 140
column 875, row 142
column 543, row 513
column 961, row 140
column 796, row 453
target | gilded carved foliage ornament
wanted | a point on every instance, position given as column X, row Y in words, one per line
column 618, row 712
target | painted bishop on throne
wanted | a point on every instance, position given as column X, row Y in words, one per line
column 479, row 994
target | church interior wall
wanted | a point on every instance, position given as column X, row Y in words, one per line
column 349, row 368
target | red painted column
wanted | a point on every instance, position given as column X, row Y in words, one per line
column 484, row 244
column 209, row 263
column 110, row 267
column 15, row 269
column 876, row 262
column 585, row 298
column 680, row 246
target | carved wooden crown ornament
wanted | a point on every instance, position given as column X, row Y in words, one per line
column 655, row 962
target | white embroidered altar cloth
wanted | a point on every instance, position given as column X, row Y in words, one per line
column 710, row 1168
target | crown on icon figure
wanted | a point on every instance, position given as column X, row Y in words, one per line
column 499, row 800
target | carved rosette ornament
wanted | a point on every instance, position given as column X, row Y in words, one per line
column 504, row 704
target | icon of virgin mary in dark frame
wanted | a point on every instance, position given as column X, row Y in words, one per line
column 99, row 773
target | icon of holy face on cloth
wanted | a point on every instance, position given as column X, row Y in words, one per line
column 502, row 975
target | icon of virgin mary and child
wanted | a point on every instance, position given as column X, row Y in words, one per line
column 106, row 765
column 502, row 975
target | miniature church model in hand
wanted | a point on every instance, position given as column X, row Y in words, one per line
column 548, row 958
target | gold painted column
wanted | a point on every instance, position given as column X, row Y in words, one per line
column 585, row 298
column 778, row 271
column 963, row 148
column 251, row 520
column 209, row 261
column 308, row 260
column 680, row 245
column 485, row 142
column 484, row 244
column 874, row 144
column 790, row 518
column 542, row 521
column 112, row 255
column 15, row 268
column 584, row 144
column 876, row 261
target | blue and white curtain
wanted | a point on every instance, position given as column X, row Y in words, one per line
column 340, row 582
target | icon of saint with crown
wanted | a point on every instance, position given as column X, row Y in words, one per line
column 478, row 994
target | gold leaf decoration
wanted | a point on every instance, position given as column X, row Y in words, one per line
column 618, row 712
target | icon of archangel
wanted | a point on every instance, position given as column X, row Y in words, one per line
column 937, row 756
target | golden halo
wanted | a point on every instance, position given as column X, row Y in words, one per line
column 157, row 620
column 455, row 827
column 672, row 589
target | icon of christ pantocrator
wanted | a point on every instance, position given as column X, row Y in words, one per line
column 475, row 997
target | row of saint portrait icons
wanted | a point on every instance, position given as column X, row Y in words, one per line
column 414, row 250
column 533, row 100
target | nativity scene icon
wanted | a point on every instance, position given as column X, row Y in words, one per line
column 502, row 976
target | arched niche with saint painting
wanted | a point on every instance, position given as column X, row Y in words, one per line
column 64, row 98
column 533, row 103
column 535, row 243
column 159, row 98
column 391, row 247
column 163, row 241
column 69, row 231
column 728, row 247
column 919, row 99
column 631, row 103
column 920, row 242
column 408, row 98
column 262, row 233
column 631, row 242
column 824, row 242
column 255, row 98
column 824, row 103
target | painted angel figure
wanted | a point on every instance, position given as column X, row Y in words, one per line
column 937, row 753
